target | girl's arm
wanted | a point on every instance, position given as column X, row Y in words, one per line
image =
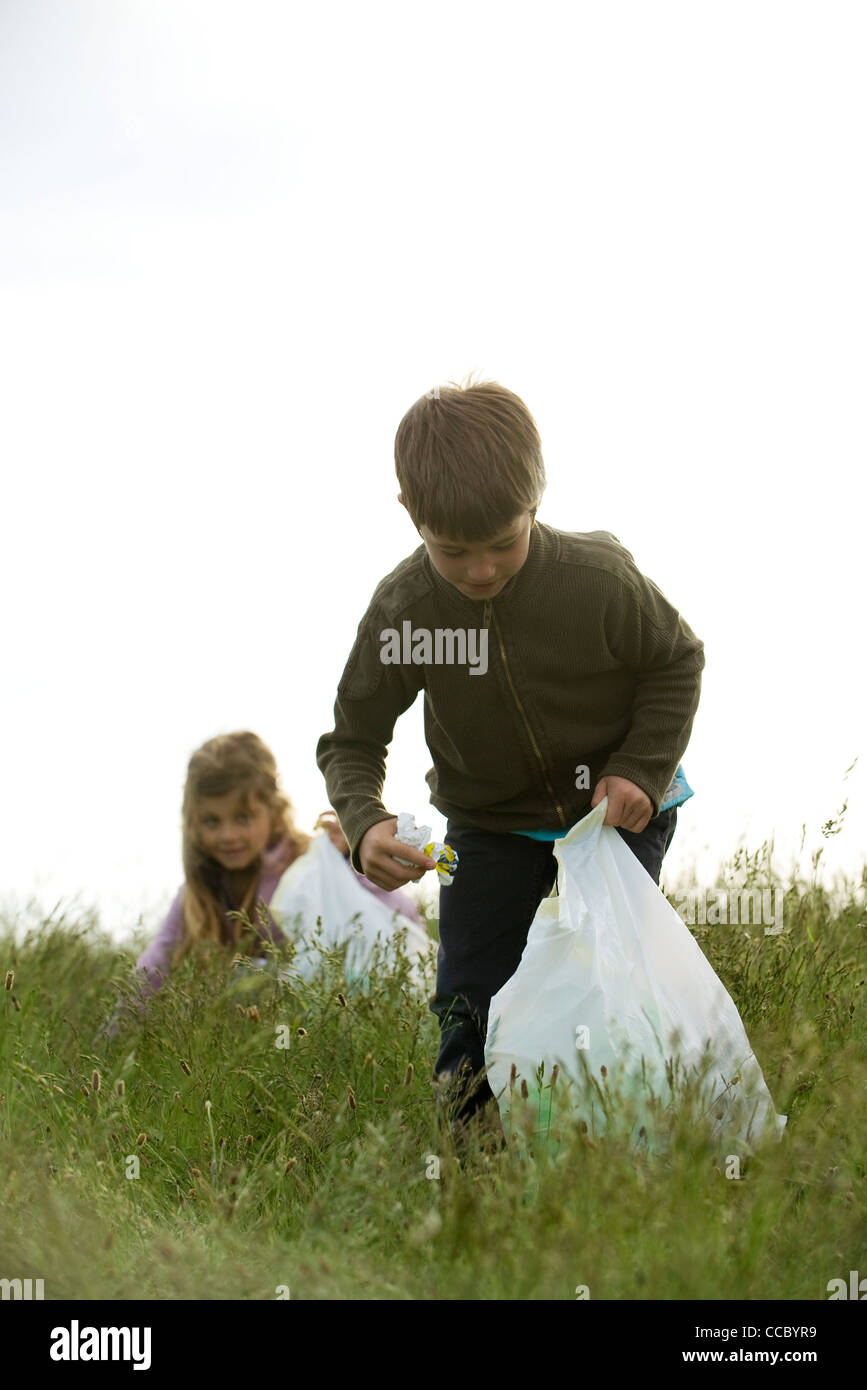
column 154, row 963
column 397, row 900
column 151, row 969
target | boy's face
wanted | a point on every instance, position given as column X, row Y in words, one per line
column 480, row 569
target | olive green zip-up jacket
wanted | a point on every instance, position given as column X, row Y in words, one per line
column 587, row 664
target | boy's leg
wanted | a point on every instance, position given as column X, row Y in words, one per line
column 651, row 844
column 485, row 916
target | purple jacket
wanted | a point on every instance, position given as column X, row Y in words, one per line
column 154, row 963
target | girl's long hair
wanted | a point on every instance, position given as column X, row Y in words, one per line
column 242, row 763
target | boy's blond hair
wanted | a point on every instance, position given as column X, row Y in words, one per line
column 468, row 458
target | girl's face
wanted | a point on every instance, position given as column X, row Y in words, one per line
column 233, row 829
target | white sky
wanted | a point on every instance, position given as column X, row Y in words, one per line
column 238, row 240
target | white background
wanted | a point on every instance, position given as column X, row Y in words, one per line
column 238, row 240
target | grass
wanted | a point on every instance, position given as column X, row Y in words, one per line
column 285, row 1137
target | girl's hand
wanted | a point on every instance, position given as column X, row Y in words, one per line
column 377, row 854
column 331, row 825
column 628, row 806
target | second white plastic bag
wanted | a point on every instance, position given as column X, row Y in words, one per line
column 321, row 884
column 612, row 986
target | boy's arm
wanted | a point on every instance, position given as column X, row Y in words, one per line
column 650, row 637
column 370, row 698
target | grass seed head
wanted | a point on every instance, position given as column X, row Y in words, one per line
column 341, row 999
column 351, row 1097
column 120, row 1087
column 290, row 1164
column 253, row 1013
column 555, row 1073
column 10, row 978
column 302, row 1032
column 513, row 1074
column 97, row 1081
column 186, row 1068
column 524, row 1092
column 142, row 1139
column 408, row 1075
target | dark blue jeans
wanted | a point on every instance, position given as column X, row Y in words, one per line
column 485, row 916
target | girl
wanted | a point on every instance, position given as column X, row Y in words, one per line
column 239, row 837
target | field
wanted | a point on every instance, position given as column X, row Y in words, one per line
column 255, row 1138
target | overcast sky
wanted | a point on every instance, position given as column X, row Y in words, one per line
column 238, row 240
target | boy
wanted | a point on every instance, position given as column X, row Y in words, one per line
column 554, row 673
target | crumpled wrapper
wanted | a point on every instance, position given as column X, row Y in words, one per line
column 419, row 837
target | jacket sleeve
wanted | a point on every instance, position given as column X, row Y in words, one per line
column 371, row 695
column 648, row 635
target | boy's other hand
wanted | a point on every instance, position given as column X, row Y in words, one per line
column 377, row 854
column 628, row 806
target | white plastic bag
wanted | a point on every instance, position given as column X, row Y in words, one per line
column 321, row 883
column 611, row 973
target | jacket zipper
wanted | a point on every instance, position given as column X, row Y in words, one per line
column 530, row 734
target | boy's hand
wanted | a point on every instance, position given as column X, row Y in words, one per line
column 377, row 854
column 628, row 805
